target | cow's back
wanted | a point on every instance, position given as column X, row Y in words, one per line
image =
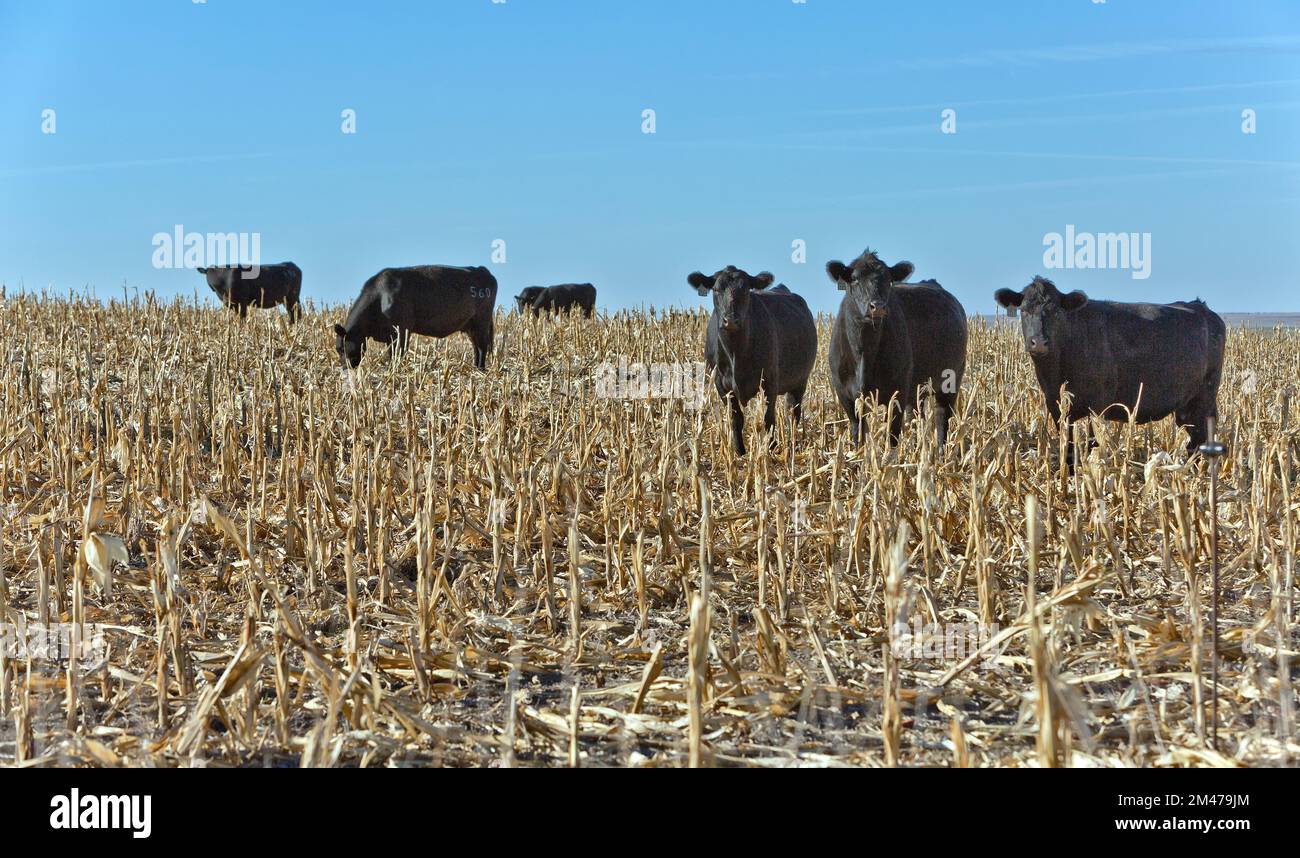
column 562, row 296
column 936, row 325
column 434, row 300
column 793, row 335
column 273, row 284
column 1158, row 356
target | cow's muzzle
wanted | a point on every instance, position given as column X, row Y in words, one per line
column 1037, row 348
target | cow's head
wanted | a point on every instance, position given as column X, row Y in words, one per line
column 525, row 299
column 869, row 282
column 216, row 282
column 349, row 346
column 730, row 288
column 1043, row 309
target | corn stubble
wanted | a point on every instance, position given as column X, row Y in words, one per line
column 423, row 565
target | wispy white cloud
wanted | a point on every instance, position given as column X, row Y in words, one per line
column 840, row 139
column 1036, row 185
column 1053, row 156
column 1111, row 51
column 1040, row 119
column 13, row 172
column 1000, row 190
column 1053, row 99
column 1030, row 56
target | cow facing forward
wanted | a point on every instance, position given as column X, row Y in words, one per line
column 892, row 337
column 1113, row 358
column 433, row 300
column 261, row 286
column 756, row 340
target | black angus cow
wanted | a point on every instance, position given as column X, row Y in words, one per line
column 273, row 285
column 756, row 340
column 1113, row 357
column 524, row 300
column 433, row 300
column 558, row 299
column 891, row 337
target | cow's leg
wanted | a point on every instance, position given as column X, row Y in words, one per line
column 855, row 425
column 942, row 416
column 291, row 304
column 895, row 426
column 1062, row 422
column 482, row 337
column 472, row 333
column 897, row 412
column 1201, row 414
column 1194, row 423
column 1069, row 424
column 769, row 417
column 1196, row 417
column 794, row 401
column 476, row 340
column 737, row 424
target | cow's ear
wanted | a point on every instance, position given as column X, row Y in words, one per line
column 340, row 330
column 201, row 270
column 900, row 272
column 701, row 282
column 1073, row 301
column 839, row 272
column 765, row 279
column 1008, row 297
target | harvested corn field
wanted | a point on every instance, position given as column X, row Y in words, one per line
column 281, row 563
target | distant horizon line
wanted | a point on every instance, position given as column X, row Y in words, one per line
column 24, row 291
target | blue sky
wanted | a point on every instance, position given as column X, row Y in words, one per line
column 775, row 121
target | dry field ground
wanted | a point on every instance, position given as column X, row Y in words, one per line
column 424, row 565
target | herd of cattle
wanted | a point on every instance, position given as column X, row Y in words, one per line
column 890, row 340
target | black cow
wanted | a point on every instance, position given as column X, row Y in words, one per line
column 558, row 299
column 433, row 300
column 524, row 300
column 1162, row 358
column 756, row 339
column 891, row 337
column 273, row 285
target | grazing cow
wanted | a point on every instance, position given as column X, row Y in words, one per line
column 524, row 300
column 1160, row 358
column 891, row 337
column 433, row 300
column 757, row 339
column 273, row 285
column 558, row 299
